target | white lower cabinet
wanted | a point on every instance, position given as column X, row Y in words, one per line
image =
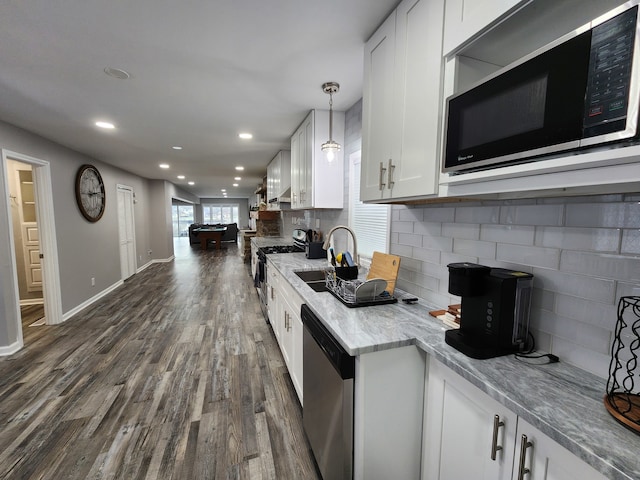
column 467, row 434
column 285, row 304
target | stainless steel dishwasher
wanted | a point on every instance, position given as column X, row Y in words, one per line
column 327, row 385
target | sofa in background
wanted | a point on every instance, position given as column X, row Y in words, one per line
column 231, row 235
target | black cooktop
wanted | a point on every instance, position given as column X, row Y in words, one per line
column 281, row 249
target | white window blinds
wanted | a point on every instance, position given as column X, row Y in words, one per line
column 370, row 222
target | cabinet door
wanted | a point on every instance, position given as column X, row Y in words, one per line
column 300, row 170
column 306, row 163
column 465, row 18
column 547, row 460
column 401, row 111
column 415, row 164
column 292, row 336
column 461, row 430
column 377, row 107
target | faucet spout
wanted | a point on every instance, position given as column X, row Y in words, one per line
column 327, row 240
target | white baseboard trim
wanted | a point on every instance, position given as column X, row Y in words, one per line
column 10, row 349
column 165, row 260
column 95, row 298
column 31, row 301
column 145, row 266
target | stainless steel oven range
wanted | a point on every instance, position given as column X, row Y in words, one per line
column 261, row 273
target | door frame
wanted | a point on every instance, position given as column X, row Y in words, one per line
column 48, row 244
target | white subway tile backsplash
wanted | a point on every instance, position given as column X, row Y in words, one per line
column 627, row 290
column 444, row 244
column 408, row 214
column 469, row 231
column 401, row 250
column 571, row 352
column 589, row 336
column 594, row 313
column 477, row 214
column 402, row 227
column 617, row 267
column 611, row 215
column 428, row 228
column 439, row 214
column 551, row 215
column 630, row 241
column 474, row 248
column 425, row 255
column 590, row 239
column 526, row 255
column 595, row 289
column 521, row 235
column 410, row 239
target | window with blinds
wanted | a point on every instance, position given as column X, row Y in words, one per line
column 370, row 222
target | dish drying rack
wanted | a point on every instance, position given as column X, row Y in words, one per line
column 345, row 291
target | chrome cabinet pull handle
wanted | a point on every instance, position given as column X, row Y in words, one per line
column 494, row 444
column 390, row 180
column 524, row 445
column 381, row 184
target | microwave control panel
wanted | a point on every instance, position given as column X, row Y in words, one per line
column 609, row 75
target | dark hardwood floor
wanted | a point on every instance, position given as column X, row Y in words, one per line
column 174, row 375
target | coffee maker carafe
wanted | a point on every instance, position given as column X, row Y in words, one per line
column 495, row 309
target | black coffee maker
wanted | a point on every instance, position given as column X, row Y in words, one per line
column 495, row 309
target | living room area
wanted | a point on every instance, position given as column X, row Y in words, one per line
column 223, row 218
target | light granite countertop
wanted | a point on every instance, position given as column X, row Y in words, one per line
column 564, row 402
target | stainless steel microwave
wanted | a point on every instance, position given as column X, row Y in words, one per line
column 578, row 92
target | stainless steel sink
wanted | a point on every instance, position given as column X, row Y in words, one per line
column 314, row 278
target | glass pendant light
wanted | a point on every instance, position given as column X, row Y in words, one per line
column 330, row 147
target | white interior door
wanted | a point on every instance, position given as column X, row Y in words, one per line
column 126, row 231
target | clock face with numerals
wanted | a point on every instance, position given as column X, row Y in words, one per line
column 90, row 193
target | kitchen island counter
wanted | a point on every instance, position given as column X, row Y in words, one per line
column 562, row 401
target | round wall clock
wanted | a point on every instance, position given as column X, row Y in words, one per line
column 90, row 193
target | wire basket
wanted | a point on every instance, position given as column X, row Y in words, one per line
column 345, row 291
column 622, row 400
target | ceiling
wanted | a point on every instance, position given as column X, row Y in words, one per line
column 201, row 71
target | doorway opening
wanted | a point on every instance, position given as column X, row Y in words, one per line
column 32, row 247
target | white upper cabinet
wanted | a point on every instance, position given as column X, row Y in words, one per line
column 463, row 19
column 278, row 179
column 401, row 104
column 315, row 181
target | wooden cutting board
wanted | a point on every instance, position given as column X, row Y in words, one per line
column 385, row 266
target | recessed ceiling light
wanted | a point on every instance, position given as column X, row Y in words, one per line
column 235, row 184
column 223, row 189
column 163, row 165
column 177, row 147
column 181, row 177
column 239, row 168
column 117, row 73
column 191, row 183
column 106, row 125
column 237, row 178
column 245, row 136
